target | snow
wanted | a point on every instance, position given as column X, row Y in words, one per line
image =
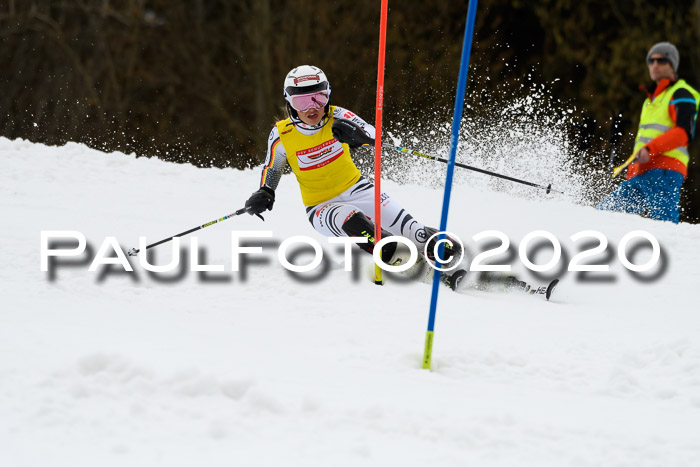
column 215, row 369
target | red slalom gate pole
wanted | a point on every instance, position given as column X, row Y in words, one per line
column 378, row 278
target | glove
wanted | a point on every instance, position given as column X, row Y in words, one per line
column 260, row 201
column 350, row 133
column 642, row 155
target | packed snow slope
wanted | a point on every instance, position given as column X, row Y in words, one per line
column 112, row 368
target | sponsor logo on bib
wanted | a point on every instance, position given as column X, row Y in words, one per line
column 319, row 156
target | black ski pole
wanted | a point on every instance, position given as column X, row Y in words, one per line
column 548, row 188
column 135, row 251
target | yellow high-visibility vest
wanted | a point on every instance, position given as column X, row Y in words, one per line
column 656, row 120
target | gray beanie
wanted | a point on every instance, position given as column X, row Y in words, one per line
column 669, row 51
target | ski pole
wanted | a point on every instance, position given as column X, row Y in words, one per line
column 135, row 251
column 548, row 188
column 620, row 168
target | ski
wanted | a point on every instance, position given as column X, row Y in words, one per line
column 512, row 282
column 456, row 280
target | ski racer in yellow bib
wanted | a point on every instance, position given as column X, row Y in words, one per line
column 315, row 140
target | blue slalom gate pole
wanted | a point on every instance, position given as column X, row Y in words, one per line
column 456, row 122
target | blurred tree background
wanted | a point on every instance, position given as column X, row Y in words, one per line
column 200, row 81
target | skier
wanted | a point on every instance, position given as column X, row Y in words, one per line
column 315, row 140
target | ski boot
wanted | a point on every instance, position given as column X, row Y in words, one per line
column 452, row 251
column 452, row 279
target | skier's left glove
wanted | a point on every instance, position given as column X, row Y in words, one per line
column 260, row 201
column 350, row 133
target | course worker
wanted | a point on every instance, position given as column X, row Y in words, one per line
column 666, row 127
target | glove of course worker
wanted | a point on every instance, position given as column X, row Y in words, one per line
column 350, row 133
column 260, row 201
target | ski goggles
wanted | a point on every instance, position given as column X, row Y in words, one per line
column 304, row 102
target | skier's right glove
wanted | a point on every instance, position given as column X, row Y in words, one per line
column 350, row 133
column 260, row 201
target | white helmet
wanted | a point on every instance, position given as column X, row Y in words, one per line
column 304, row 79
